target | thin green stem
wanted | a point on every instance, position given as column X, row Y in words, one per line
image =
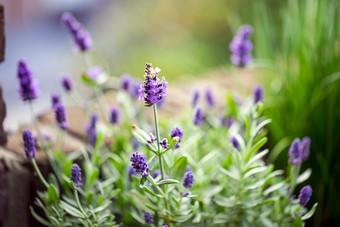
column 39, row 173
column 80, row 206
column 158, row 145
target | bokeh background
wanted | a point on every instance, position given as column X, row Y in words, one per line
column 296, row 51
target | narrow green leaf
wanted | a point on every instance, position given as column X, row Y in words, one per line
column 53, row 195
column 167, row 181
column 228, row 173
column 71, row 210
column 273, row 188
column 310, row 213
column 254, row 170
column 304, row 176
column 40, row 219
column 148, row 190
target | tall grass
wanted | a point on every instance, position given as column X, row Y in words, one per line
column 299, row 45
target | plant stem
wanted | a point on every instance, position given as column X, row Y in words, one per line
column 81, row 208
column 39, row 173
column 157, row 136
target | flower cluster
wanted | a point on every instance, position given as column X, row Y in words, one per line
column 80, row 36
column 258, row 94
column 198, row 117
column 148, row 217
column 28, row 89
column 66, row 83
column 130, row 85
column 177, row 132
column 240, row 46
column 188, row 179
column 299, row 151
column 76, row 175
column 91, row 130
column 153, row 90
column 152, row 138
column 138, row 162
column 164, row 143
column 305, row 194
column 60, row 115
column 29, row 144
column 114, row 115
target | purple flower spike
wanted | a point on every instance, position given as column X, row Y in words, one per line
column 198, row 117
column 81, row 38
column 210, row 98
column 67, row 84
column 29, row 144
column 55, row 99
column 305, row 147
column 148, row 217
column 91, row 130
column 114, row 116
column 295, row 152
column 153, row 90
column 133, row 172
column 60, row 115
column 305, row 194
column 188, row 179
column 195, row 98
column 240, row 46
column 227, row 122
column 28, row 88
column 164, row 143
column 258, row 94
column 235, row 143
column 76, row 175
column 177, row 131
column 138, row 162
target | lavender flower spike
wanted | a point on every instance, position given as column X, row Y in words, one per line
column 295, row 152
column 81, row 38
column 91, row 130
column 195, row 98
column 28, row 88
column 133, row 172
column 177, row 131
column 138, row 162
column 55, row 99
column 240, row 46
column 76, row 175
column 258, row 94
column 60, row 115
column 210, row 98
column 305, row 147
column 188, row 179
column 67, row 84
column 235, row 143
column 114, row 116
column 148, row 217
column 198, row 117
column 153, row 90
column 29, row 144
column 305, row 194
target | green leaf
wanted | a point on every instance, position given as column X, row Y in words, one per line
column 232, row 105
column 298, row 222
column 228, row 173
column 179, row 166
column 310, row 213
column 94, row 176
column 255, row 158
column 167, row 181
column 258, row 145
column 304, row 176
column 273, row 188
column 40, row 219
column 260, row 126
column 88, row 81
column 71, row 210
column 254, row 170
column 148, row 190
column 52, row 193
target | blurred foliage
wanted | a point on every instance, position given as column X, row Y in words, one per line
column 299, row 45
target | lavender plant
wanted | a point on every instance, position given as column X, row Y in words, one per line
column 205, row 169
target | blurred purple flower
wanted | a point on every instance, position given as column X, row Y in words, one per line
column 164, row 143
column 94, row 72
column 227, row 122
column 305, row 147
column 81, row 38
column 295, row 152
column 195, row 98
column 114, row 115
column 138, row 162
column 60, row 116
column 210, row 98
column 28, row 88
column 29, row 144
column 198, row 117
column 91, row 130
column 177, row 131
column 305, row 194
column 240, row 46
column 55, row 99
column 67, row 84
column 76, row 175
column 188, row 179
column 258, row 94
column 235, row 143
column 148, row 217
